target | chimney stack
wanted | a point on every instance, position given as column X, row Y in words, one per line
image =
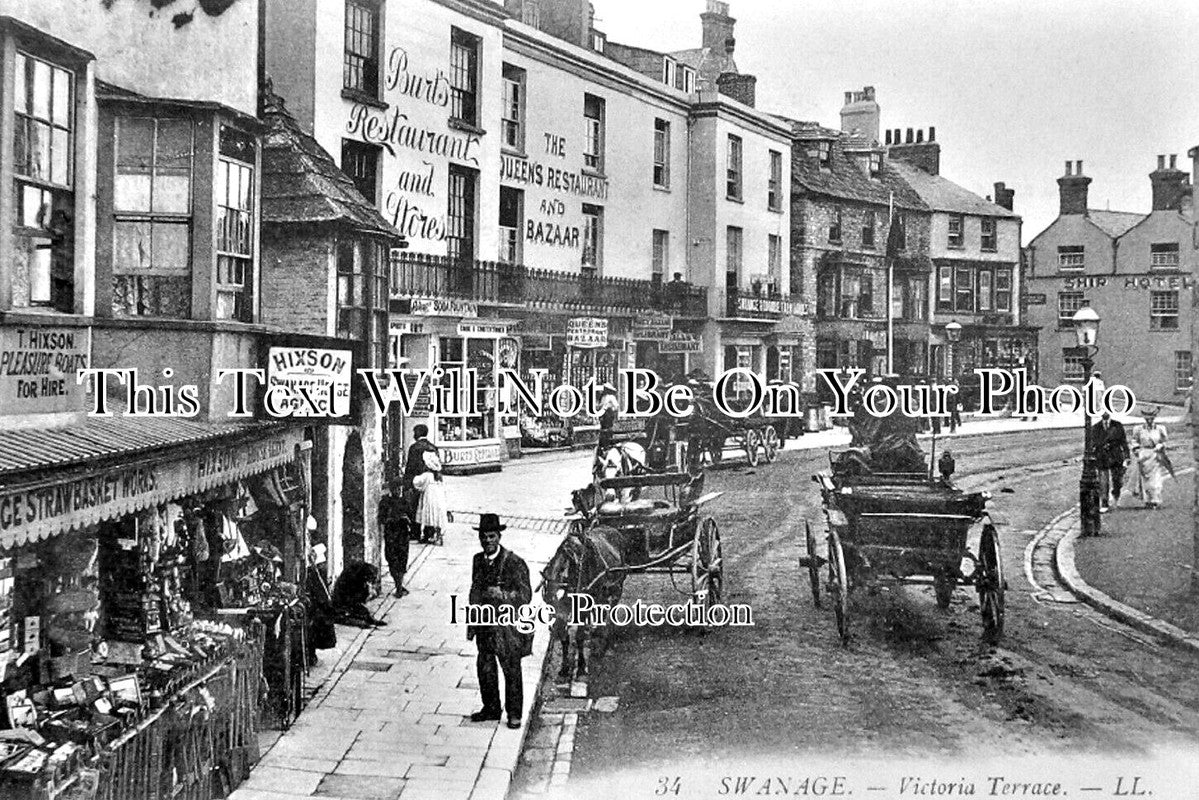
column 924, row 154
column 1072, row 188
column 1169, row 184
column 740, row 87
column 1004, row 197
column 860, row 114
column 718, row 27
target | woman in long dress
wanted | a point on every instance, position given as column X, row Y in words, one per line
column 1150, row 441
column 432, row 512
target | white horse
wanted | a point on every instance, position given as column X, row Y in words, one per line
column 624, row 458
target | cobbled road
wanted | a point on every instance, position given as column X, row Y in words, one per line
column 916, row 682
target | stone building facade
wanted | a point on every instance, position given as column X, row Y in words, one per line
column 1137, row 270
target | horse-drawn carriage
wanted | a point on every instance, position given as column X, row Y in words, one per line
column 907, row 527
column 635, row 525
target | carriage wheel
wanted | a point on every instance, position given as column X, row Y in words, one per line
column 943, row 586
column 707, row 564
column 770, row 443
column 990, row 583
column 813, row 563
column 838, row 584
column 751, row 441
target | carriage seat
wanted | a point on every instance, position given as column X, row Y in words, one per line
column 641, row 509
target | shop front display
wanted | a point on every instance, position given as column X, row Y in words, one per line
column 133, row 632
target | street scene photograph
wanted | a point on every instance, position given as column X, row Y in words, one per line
column 579, row 399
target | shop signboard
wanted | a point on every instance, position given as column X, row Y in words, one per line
column 38, row 510
column 442, row 307
column 325, row 375
column 315, row 378
column 680, row 342
column 38, row 368
column 485, row 329
column 1034, row 299
column 587, row 332
column 652, row 328
column 536, row 341
column 470, row 455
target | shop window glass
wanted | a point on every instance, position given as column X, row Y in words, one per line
column 481, row 355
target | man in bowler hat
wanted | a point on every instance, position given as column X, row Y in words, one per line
column 499, row 577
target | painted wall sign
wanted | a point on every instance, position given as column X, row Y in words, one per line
column 1160, row 282
column 38, row 366
column 390, row 130
column 430, row 87
column 325, row 374
column 514, row 169
column 652, row 328
column 587, row 332
column 1035, row 299
column 32, row 512
column 681, row 343
column 443, row 307
column 536, row 341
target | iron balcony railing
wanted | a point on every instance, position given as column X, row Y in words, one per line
column 497, row 282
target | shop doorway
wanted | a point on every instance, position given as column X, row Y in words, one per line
column 353, row 516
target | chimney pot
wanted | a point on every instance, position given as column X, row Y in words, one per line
column 1069, row 168
column 919, row 135
column 1161, row 162
column 909, row 140
column 1078, row 167
column 888, row 136
column 932, row 133
column 848, row 98
column 1174, row 161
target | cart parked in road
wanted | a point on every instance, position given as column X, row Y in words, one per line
column 905, row 527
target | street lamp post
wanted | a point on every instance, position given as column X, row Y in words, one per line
column 953, row 332
column 1086, row 330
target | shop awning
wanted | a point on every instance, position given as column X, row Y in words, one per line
column 55, row 481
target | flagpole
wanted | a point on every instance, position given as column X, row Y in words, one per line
column 890, row 289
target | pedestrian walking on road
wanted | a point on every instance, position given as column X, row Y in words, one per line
column 499, row 577
column 394, row 520
column 1112, row 457
column 1152, row 462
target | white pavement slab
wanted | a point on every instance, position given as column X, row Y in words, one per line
column 391, row 720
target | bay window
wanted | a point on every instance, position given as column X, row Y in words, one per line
column 152, row 218
column 43, row 167
column 234, row 221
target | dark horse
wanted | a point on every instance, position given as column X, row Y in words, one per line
column 582, row 564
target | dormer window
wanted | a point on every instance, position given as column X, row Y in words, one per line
column 670, row 71
column 876, row 164
column 825, row 151
column 598, row 41
column 685, row 80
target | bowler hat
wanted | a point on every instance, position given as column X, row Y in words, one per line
column 489, row 523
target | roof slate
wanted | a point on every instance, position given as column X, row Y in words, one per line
column 844, row 179
column 1114, row 223
column 942, row 194
column 301, row 184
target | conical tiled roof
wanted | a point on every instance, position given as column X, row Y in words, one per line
column 302, row 184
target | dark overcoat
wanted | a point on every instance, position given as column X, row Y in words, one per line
column 510, row 574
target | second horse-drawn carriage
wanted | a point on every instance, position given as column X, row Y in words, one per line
column 889, row 518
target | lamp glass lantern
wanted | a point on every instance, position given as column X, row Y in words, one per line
column 953, row 331
column 1086, row 326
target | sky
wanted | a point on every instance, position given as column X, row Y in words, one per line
column 1015, row 88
